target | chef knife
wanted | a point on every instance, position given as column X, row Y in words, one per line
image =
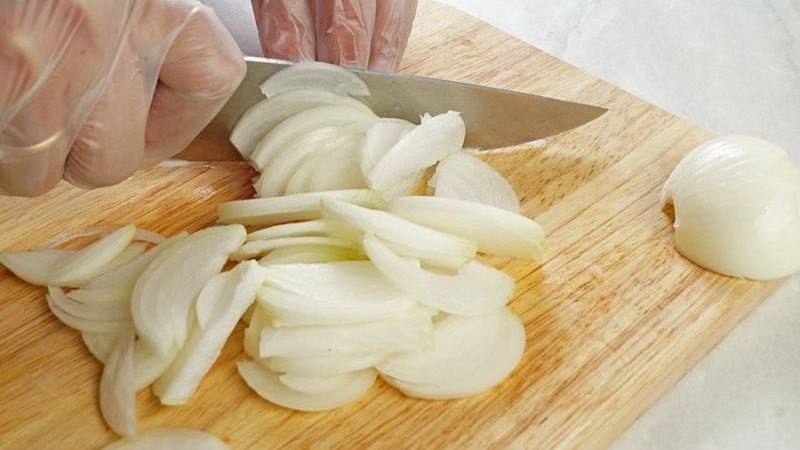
column 494, row 117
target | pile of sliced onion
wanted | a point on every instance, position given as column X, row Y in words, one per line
column 354, row 278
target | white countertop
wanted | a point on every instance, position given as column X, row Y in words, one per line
column 730, row 66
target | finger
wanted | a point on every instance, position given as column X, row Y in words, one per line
column 200, row 72
column 285, row 28
column 344, row 31
column 110, row 145
column 393, row 21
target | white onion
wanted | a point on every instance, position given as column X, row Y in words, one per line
column 319, row 227
column 36, row 266
column 316, row 75
column 163, row 297
column 267, row 384
column 465, row 177
column 257, row 121
column 475, row 289
column 290, row 208
column 117, row 388
column 330, row 293
column 496, row 231
column 252, row 334
column 325, row 365
column 338, row 169
column 310, row 254
column 259, row 248
column 412, row 240
column 379, row 139
column 220, row 304
column 315, row 384
column 420, row 148
column 737, row 208
column 471, row 355
column 99, row 345
column 91, row 260
column 80, row 323
column 149, row 364
column 169, row 439
column 293, row 128
column 300, row 181
column 97, row 312
column 389, row 336
column 131, row 252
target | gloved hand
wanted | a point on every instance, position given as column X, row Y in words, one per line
column 91, row 90
column 353, row 33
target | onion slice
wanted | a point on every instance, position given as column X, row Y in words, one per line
column 379, row 139
column 471, row 355
column 466, row 177
column 99, row 345
column 325, row 365
column 56, row 295
column 476, row 288
column 117, row 388
column 315, row 384
column 220, row 304
column 97, row 312
column 495, row 230
column 300, row 181
column 268, row 385
column 92, row 259
column 412, row 240
column 169, row 438
column 316, row 75
column 338, row 169
column 310, row 254
column 290, row 208
column 259, row 248
column 36, row 266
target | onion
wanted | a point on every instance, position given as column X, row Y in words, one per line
column 56, row 295
column 99, row 345
column 163, row 297
column 476, row 288
column 325, row 365
column 91, row 260
column 314, row 384
column 420, row 148
column 149, row 364
column 252, row 334
column 496, row 231
column 117, row 388
column 259, row 248
column 257, row 121
column 470, row 356
column 131, row 252
column 290, row 208
column 389, row 336
column 310, row 254
column 330, row 293
column 36, row 266
column 319, row 227
column 465, row 177
column 267, row 384
column 317, row 75
column 338, row 169
column 737, row 208
column 97, row 312
column 379, row 139
column 220, row 304
column 300, row 181
column 412, row 240
column 169, row 439
column 293, row 128
column 275, row 178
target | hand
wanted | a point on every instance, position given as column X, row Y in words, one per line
column 353, row 33
column 92, row 90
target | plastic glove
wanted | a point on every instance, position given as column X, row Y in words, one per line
column 91, row 90
column 353, row 33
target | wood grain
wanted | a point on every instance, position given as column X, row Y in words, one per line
column 614, row 316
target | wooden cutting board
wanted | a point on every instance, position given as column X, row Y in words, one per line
column 614, row 316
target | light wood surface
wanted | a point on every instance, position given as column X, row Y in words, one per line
column 614, row 317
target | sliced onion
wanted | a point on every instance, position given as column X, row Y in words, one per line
column 82, row 324
column 379, row 139
column 413, row 240
column 300, row 124
column 149, row 364
column 290, row 208
column 310, row 254
column 389, row 336
column 163, row 297
column 117, row 387
column 252, row 334
column 149, row 236
column 257, row 121
column 259, row 248
column 99, row 345
column 314, row 384
column 316, row 75
column 36, row 266
column 169, row 439
column 476, row 289
column 130, row 253
column 422, row 147
column 319, row 227
column 496, row 231
column 92, row 259
column 267, row 384
column 330, row 293
column 466, row 177
column 471, row 355
column 275, row 178
column 220, row 304
column 325, row 365
column 98, row 312
column 338, row 170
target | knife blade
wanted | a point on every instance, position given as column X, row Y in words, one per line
column 494, row 117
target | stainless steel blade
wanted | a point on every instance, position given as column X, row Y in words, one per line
column 494, row 117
